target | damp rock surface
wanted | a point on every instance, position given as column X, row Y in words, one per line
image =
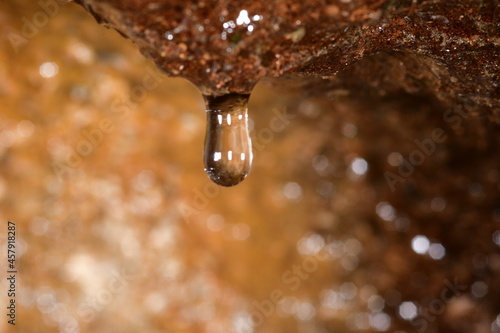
column 227, row 46
column 135, row 238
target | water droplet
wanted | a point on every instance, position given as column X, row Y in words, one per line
column 228, row 148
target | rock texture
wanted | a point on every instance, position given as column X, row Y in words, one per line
column 349, row 172
column 449, row 49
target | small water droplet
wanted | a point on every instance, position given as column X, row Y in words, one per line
column 228, row 147
column 169, row 35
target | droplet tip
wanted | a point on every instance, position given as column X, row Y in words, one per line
column 226, row 179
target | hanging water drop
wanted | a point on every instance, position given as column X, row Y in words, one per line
column 228, row 147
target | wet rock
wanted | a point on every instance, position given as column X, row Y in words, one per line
column 449, row 50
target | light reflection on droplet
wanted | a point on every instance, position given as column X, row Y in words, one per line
column 242, row 322
column 335, row 249
column 309, row 109
column 349, row 130
column 48, row 69
column 310, row 245
column 348, row 290
column 292, row 191
column 171, row 269
column 69, row 325
column 376, row 303
column 59, row 312
column 240, row 231
column 359, row 166
column 408, row 310
column 495, row 326
column 82, row 52
column 358, row 321
column 215, row 222
column 189, row 123
column 420, row 244
column 320, row 163
column 380, row 322
column 162, row 237
column 144, row 180
column 349, row 262
column 145, row 203
column 304, row 311
column 45, row 302
column 367, row 291
column 437, row 251
column 243, row 18
column 353, row 246
column 331, row 299
column 287, row 304
column 385, row 211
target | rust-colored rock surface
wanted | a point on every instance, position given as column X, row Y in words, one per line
column 373, row 204
column 450, row 49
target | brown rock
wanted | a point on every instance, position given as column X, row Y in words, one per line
column 448, row 49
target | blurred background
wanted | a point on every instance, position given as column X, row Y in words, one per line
column 345, row 224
